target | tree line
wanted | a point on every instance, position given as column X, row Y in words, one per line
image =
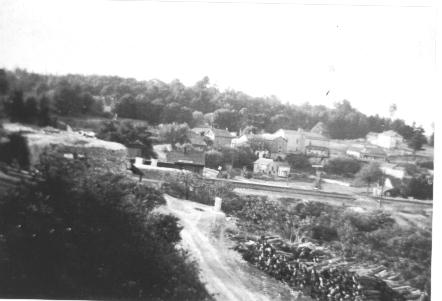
column 158, row 102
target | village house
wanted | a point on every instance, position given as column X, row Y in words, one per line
column 262, row 165
column 388, row 139
column 282, row 169
column 317, row 151
column 219, row 137
column 394, row 170
column 298, row 140
column 321, row 129
column 295, row 143
column 197, row 141
column 272, row 168
column 242, row 140
column 388, row 187
column 314, row 139
column 276, row 144
column 366, row 153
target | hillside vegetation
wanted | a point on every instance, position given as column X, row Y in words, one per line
column 30, row 97
column 75, row 233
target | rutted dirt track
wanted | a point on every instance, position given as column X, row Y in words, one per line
column 226, row 274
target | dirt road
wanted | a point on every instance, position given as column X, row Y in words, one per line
column 226, row 274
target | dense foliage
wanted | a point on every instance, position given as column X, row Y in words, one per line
column 239, row 157
column 174, row 133
column 299, row 162
column 419, row 187
column 14, row 150
column 372, row 236
column 343, row 166
column 370, row 174
column 77, row 234
column 128, row 134
column 158, row 102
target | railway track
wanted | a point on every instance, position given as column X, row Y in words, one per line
column 277, row 188
column 315, row 193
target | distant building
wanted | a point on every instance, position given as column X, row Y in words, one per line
column 314, row 139
column 367, row 153
column 394, row 170
column 242, row 140
column 191, row 160
column 298, row 140
column 262, row 165
column 197, row 141
column 295, row 141
column 277, row 144
column 282, row 169
column 272, row 168
column 321, row 129
column 388, row 139
column 219, row 137
column 317, row 151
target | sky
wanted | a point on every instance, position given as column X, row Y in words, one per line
column 372, row 53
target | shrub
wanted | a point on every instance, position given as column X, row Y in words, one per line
column 420, row 188
column 15, row 151
column 77, row 234
column 299, row 162
column 426, row 164
column 343, row 166
column 214, row 159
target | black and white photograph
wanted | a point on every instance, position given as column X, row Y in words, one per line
column 219, row 150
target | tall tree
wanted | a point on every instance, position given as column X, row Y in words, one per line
column 174, row 134
column 370, row 174
column 418, row 139
column 4, row 83
column 126, row 133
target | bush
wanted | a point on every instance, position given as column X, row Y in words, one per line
column 343, row 166
column 299, row 162
column 214, row 159
column 420, row 188
column 426, row 164
column 15, row 151
column 77, row 234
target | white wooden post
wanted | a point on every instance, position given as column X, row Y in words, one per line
column 217, row 205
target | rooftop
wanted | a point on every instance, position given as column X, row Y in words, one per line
column 263, row 161
column 192, row 157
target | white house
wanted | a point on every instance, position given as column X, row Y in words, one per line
column 244, row 139
column 295, row 141
column 262, row 165
column 298, row 140
column 283, row 169
column 388, row 139
column 394, row 170
column 270, row 167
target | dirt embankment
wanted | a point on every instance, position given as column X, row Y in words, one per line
column 226, row 274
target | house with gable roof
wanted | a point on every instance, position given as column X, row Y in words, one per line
column 219, row 137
